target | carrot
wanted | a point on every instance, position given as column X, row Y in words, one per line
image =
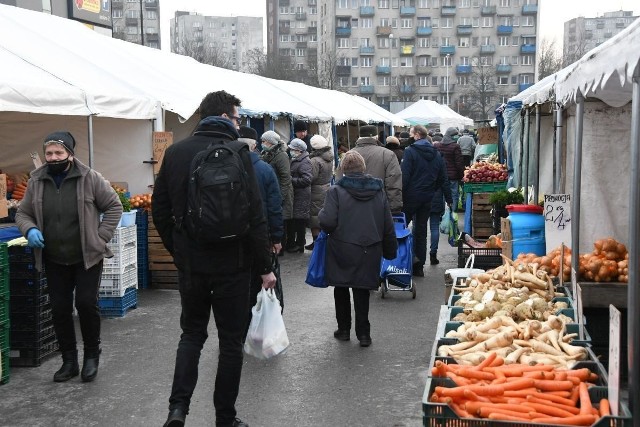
column 575, row 420
column 585, row 401
column 572, row 409
column 561, row 393
column 552, row 385
column 553, row 398
column 583, row 374
column 486, row 362
column 498, row 361
column 548, row 409
column 505, row 417
column 485, row 411
column 520, row 393
column 605, row 407
column 455, row 392
column 575, row 395
column 459, row 410
column 474, row 374
column 540, row 375
column 488, row 390
column 471, row 395
column 519, row 384
column 560, row 375
column 457, row 379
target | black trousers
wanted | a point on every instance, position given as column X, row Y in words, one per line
column 62, row 280
column 466, row 160
column 360, row 305
column 296, row 231
column 228, row 297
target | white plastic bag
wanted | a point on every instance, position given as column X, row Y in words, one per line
column 267, row 336
column 445, row 222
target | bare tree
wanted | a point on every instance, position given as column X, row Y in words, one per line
column 549, row 59
column 275, row 66
column 210, row 53
column 326, row 71
column 579, row 46
column 481, row 93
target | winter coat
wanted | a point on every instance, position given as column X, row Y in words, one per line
column 271, row 198
column 423, row 172
column 452, row 154
column 322, row 164
column 467, row 145
column 383, row 164
column 301, row 175
column 94, row 196
column 170, row 200
column 357, row 218
column 279, row 161
column 397, row 150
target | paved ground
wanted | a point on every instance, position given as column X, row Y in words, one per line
column 319, row 382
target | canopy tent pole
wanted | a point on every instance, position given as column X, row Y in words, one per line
column 633, row 318
column 557, row 154
column 537, row 171
column 577, row 181
column 334, row 133
column 90, row 139
column 521, row 165
column 525, row 153
column 348, row 136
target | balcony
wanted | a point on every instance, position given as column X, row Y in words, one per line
column 383, row 70
column 116, row 4
column 284, row 30
column 529, row 9
column 447, row 50
column 312, row 2
column 523, row 86
column 301, row 44
column 464, row 30
column 367, row 50
column 407, row 89
column 131, row 22
column 505, row 29
column 283, row 2
column 151, row 37
column 424, row 31
column 444, row 88
column 488, row 10
column 423, row 69
column 367, row 11
column 151, row 4
column 407, row 50
column 463, row 69
column 366, row 89
column 343, row 70
column 407, row 11
column 383, row 30
column 301, row 16
column 528, row 48
column 487, row 49
column 448, row 11
column 343, row 32
column 503, row 69
column 312, row 30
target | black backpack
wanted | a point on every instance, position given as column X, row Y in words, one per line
column 218, row 194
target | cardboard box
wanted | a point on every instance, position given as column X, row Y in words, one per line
column 507, row 245
column 487, row 135
column 4, row 207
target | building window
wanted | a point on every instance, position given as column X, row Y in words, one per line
column 514, row 80
column 406, row 61
column 423, row 4
column 343, row 81
column 503, row 80
column 152, row 15
column 445, row 41
column 394, row 23
column 505, row 3
column 343, row 43
column 487, row 21
column 383, row 43
column 423, row 81
column 365, row 81
column 475, row 22
column 354, row 61
column 366, row 61
column 504, row 60
column 504, row 20
column 423, row 42
column 434, row 81
column 446, row 23
column 407, row 23
column 464, row 3
column 383, row 4
column 527, row 59
column 515, row 60
column 354, row 43
column 515, row 41
column 466, row 21
column 528, row 21
column 464, row 60
column 343, row 4
column 463, row 42
column 367, row 23
column 132, row 14
column 354, row 22
column 503, row 40
column 435, row 22
column 116, row 13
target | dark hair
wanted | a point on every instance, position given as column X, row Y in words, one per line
column 421, row 130
column 217, row 104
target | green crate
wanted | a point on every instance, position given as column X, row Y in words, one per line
column 4, row 313
column 484, row 187
column 4, row 336
column 4, row 252
column 4, row 362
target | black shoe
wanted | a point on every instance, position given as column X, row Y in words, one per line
column 69, row 367
column 309, row 247
column 433, row 259
column 342, row 334
column 294, row 249
column 418, row 270
column 90, row 365
column 281, row 253
column 365, row 340
column 176, row 418
column 239, row 423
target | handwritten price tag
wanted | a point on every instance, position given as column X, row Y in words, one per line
column 557, row 220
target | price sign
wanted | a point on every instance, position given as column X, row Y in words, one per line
column 578, row 313
column 614, row 359
column 161, row 141
column 574, row 286
column 557, row 220
column 4, row 209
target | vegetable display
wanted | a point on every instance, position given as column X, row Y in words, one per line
column 141, row 201
column 485, row 172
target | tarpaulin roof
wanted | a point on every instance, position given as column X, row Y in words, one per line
column 430, row 112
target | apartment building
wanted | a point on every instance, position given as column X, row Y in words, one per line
column 394, row 52
column 583, row 34
column 137, row 21
column 222, row 41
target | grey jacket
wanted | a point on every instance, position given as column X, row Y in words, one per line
column 95, row 196
column 383, row 164
column 467, row 145
column 301, row 175
column 322, row 163
column 279, row 161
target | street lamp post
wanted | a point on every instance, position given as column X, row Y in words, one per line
column 447, row 65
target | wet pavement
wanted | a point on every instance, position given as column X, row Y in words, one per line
column 319, row 381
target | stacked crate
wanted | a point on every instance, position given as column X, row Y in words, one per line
column 120, row 273
column 164, row 274
column 4, row 314
column 142, row 224
column 32, row 334
column 481, row 221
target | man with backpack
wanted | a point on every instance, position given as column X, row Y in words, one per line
column 208, row 212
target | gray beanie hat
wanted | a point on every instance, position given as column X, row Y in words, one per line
column 271, row 137
column 297, row 144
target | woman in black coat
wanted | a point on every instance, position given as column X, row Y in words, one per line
column 301, row 176
column 357, row 218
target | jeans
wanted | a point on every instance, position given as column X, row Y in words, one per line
column 360, row 306
column 434, row 228
column 454, row 194
column 419, row 214
column 62, row 280
column 201, row 293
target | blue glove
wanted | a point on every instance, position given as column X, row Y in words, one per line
column 34, row 236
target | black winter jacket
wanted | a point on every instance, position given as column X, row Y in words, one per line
column 423, row 172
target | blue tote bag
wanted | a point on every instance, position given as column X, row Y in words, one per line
column 315, row 270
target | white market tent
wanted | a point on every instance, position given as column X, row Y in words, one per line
column 596, row 157
column 427, row 112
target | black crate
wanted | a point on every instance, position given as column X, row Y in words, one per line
column 33, row 321
column 17, row 267
column 22, row 254
column 32, row 339
column 485, row 258
column 33, row 356
column 26, row 274
column 28, row 287
column 4, row 360
column 25, row 304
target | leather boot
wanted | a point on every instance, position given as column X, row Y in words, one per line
column 90, row 364
column 69, row 367
column 309, row 247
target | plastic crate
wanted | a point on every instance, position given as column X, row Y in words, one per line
column 485, row 258
column 33, row 356
column 4, row 253
column 33, row 321
column 4, row 363
column 122, row 258
column 32, row 339
column 22, row 254
column 25, row 304
column 4, row 313
column 118, row 306
column 26, row 275
column 484, row 187
column 5, row 336
column 115, row 285
column 122, row 236
column 28, row 287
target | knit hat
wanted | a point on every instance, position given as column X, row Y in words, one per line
column 353, row 162
column 318, row 142
column 271, row 137
column 299, row 126
column 451, row 131
column 404, row 135
column 297, row 144
column 368, row 131
column 63, row 138
column 392, row 140
column 247, row 132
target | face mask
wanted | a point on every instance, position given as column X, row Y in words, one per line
column 455, row 137
column 294, row 154
column 58, row 166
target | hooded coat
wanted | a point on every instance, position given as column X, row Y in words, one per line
column 322, row 167
column 279, row 161
column 357, row 218
column 301, row 175
column 423, row 173
column 452, row 154
column 271, row 197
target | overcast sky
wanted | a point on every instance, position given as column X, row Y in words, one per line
column 553, row 13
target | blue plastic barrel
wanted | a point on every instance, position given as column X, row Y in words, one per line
column 527, row 229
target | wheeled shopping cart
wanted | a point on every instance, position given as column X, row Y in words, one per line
column 396, row 274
